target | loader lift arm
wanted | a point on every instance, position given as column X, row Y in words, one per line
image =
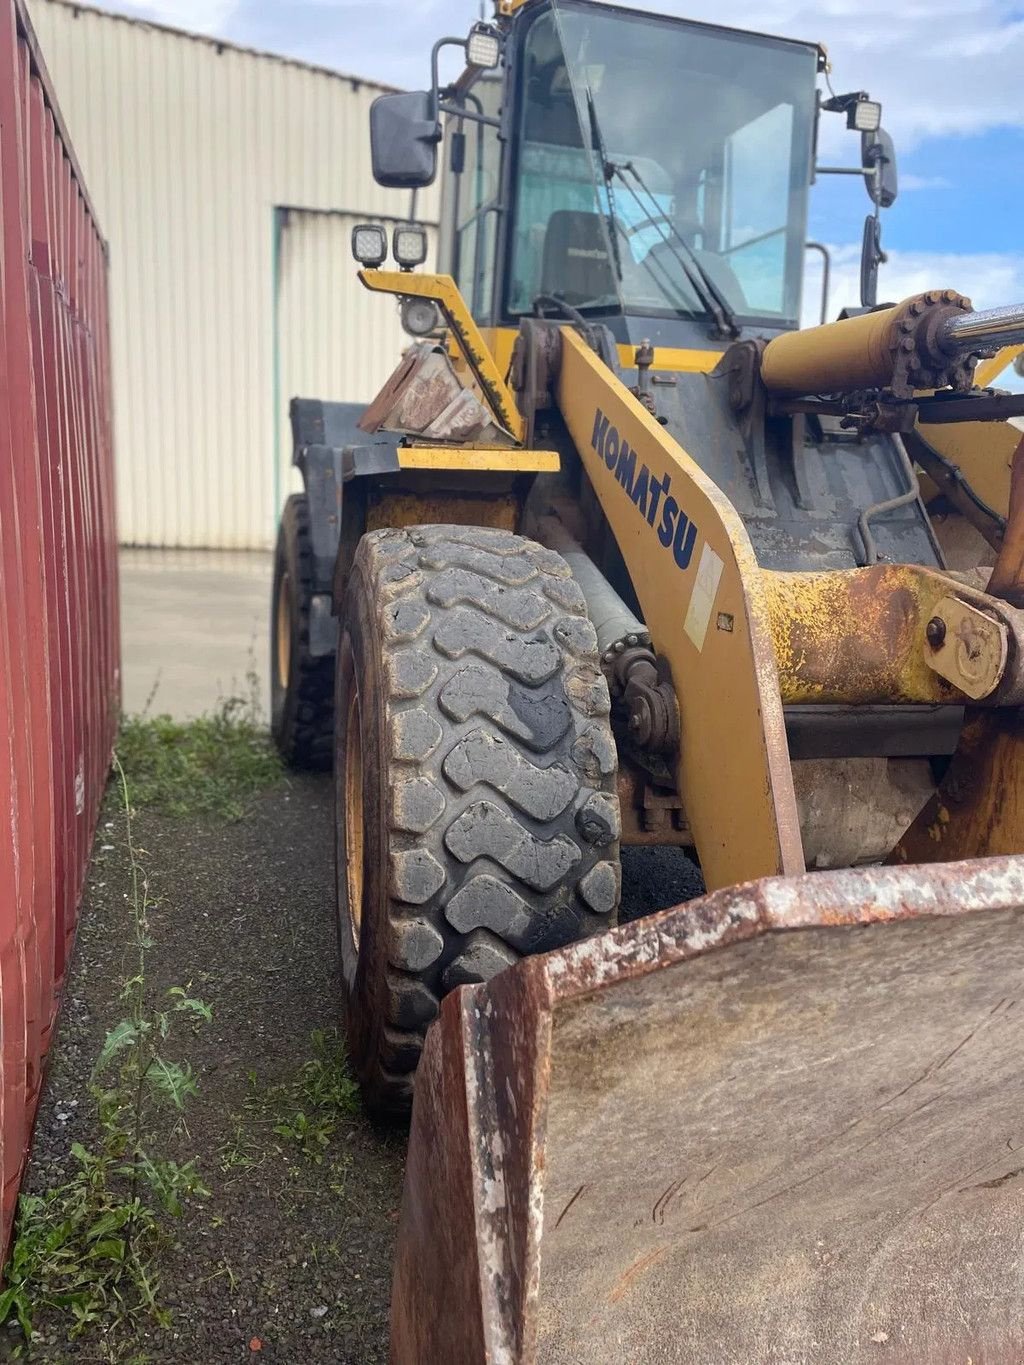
column 711, row 623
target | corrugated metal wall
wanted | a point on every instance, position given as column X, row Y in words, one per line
column 316, row 277
column 58, row 571
column 190, row 148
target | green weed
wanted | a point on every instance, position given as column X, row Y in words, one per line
column 306, row 1111
column 87, row 1249
column 214, row 765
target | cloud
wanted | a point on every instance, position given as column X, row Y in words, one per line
column 909, row 182
column 989, row 279
column 940, row 67
column 209, row 17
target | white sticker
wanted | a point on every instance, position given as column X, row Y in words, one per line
column 702, row 599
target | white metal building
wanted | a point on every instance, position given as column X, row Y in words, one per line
column 227, row 183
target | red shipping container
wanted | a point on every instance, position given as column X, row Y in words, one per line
column 59, row 633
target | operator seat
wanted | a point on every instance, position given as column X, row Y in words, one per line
column 575, row 263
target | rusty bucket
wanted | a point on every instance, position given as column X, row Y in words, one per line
column 781, row 1123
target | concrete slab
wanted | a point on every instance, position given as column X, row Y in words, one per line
column 194, row 629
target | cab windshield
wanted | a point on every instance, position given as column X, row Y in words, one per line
column 663, row 167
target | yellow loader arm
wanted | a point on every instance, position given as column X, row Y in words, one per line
column 742, row 641
column 704, row 602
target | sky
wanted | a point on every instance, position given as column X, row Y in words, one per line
column 948, row 74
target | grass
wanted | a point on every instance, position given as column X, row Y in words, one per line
column 87, row 1253
column 211, row 766
column 87, row 1250
column 322, row 1093
column 305, row 1112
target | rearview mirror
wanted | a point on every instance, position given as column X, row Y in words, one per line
column 404, row 133
column 871, row 257
column 878, row 152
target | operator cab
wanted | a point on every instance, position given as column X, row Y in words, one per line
column 658, row 182
column 649, row 173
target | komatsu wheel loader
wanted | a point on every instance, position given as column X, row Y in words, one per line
column 621, row 556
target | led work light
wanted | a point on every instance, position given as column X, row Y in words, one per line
column 409, row 245
column 865, row 116
column 370, row 245
column 862, row 114
column 483, row 47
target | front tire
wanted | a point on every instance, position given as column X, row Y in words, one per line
column 475, row 772
column 301, row 683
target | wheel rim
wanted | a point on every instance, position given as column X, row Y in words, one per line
column 354, row 811
column 284, row 629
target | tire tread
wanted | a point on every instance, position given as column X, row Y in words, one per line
column 502, row 815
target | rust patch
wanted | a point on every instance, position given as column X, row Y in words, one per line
column 859, row 636
column 424, row 396
column 441, row 508
column 626, row 1279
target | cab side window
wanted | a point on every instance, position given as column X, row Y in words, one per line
column 472, row 195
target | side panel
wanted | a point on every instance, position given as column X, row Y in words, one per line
column 59, row 636
column 700, row 590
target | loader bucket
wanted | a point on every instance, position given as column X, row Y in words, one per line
column 782, row 1123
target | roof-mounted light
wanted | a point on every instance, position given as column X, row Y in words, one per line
column 864, row 115
column 483, row 47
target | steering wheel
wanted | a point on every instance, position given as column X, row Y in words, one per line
column 634, row 228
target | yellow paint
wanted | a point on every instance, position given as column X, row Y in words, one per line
column 500, row 341
column 508, row 7
column 855, row 353
column 673, row 358
column 856, row 637
column 983, row 451
column 990, row 370
column 733, row 769
column 445, row 293
column 489, row 458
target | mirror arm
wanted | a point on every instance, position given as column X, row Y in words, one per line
column 445, row 107
column 847, row 170
column 435, row 79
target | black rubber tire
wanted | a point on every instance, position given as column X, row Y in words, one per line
column 486, row 772
column 301, row 703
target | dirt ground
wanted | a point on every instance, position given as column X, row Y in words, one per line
column 289, row 1258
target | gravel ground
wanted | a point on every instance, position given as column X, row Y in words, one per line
column 288, row 1260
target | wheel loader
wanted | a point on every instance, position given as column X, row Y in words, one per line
column 620, row 556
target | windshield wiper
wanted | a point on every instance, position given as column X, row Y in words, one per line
column 607, row 171
column 704, row 287
column 711, row 297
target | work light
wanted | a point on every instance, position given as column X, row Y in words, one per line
column 369, row 245
column 419, row 316
column 864, row 115
column 409, row 245
column 483, row 47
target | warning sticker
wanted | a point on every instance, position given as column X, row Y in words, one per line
column 702, row 600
